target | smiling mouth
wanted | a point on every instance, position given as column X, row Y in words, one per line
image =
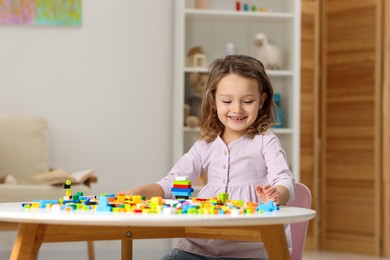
column 236, row 118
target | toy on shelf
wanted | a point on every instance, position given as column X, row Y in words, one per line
column 196, row 57
column 192, row 106
column 238, row 6
column 136, row 204
column 230, row 49
column 263, row 9
column 202, row 4
column 253, row 8
column 270, row 55
column 279, row 113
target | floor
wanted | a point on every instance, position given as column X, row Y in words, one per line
column 327, row 255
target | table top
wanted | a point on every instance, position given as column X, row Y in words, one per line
column 14, row 212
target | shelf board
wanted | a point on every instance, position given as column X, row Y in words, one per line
column 280, row 73
column 282, row 130
column 217, row 14
column 191, row 130
column 271, row 73
column 195, row 69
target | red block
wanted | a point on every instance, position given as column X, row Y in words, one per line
column 181, row 186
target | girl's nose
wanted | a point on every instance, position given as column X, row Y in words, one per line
column 237, row 108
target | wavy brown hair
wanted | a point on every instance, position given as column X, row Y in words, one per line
column 244, row 66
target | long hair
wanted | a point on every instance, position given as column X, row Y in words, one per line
column 244, row 66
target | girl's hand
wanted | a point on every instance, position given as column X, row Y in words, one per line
column 267, row 193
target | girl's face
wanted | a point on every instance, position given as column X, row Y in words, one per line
column 238, row 102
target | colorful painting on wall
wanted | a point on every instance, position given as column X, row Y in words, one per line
column 41, row 12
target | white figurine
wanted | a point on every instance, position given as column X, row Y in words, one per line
column 270, row 55
column 230, row 49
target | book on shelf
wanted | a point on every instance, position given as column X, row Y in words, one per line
column 59, row 176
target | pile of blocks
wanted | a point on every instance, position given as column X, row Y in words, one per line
column 182, row 204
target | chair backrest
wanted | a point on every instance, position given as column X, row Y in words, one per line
column 299, row 230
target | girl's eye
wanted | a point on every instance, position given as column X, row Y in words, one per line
column 226, row 101
column 248, row 102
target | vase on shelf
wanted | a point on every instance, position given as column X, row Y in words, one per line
column 279, row 114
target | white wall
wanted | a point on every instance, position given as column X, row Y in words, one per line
column 105, row 88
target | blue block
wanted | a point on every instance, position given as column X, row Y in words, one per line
column 182, row 190
column 178, row 193
column 268, row 207
column 103, row 204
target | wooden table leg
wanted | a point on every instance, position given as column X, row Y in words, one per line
column 274, row 239
column 91, row 250
column 127, row 247
column 28, row 241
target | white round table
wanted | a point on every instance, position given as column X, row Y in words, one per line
column 40, row 225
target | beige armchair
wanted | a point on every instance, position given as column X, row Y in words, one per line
column 23, row 154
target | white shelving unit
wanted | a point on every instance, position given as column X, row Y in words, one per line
column 220, row 24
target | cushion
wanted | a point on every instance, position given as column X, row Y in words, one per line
column 23, row 147
column 60, row 176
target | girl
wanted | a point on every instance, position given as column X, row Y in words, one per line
column 236, row 149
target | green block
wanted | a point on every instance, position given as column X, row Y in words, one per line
column 223, row 196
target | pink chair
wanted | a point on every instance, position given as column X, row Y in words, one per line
column 299, row 230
